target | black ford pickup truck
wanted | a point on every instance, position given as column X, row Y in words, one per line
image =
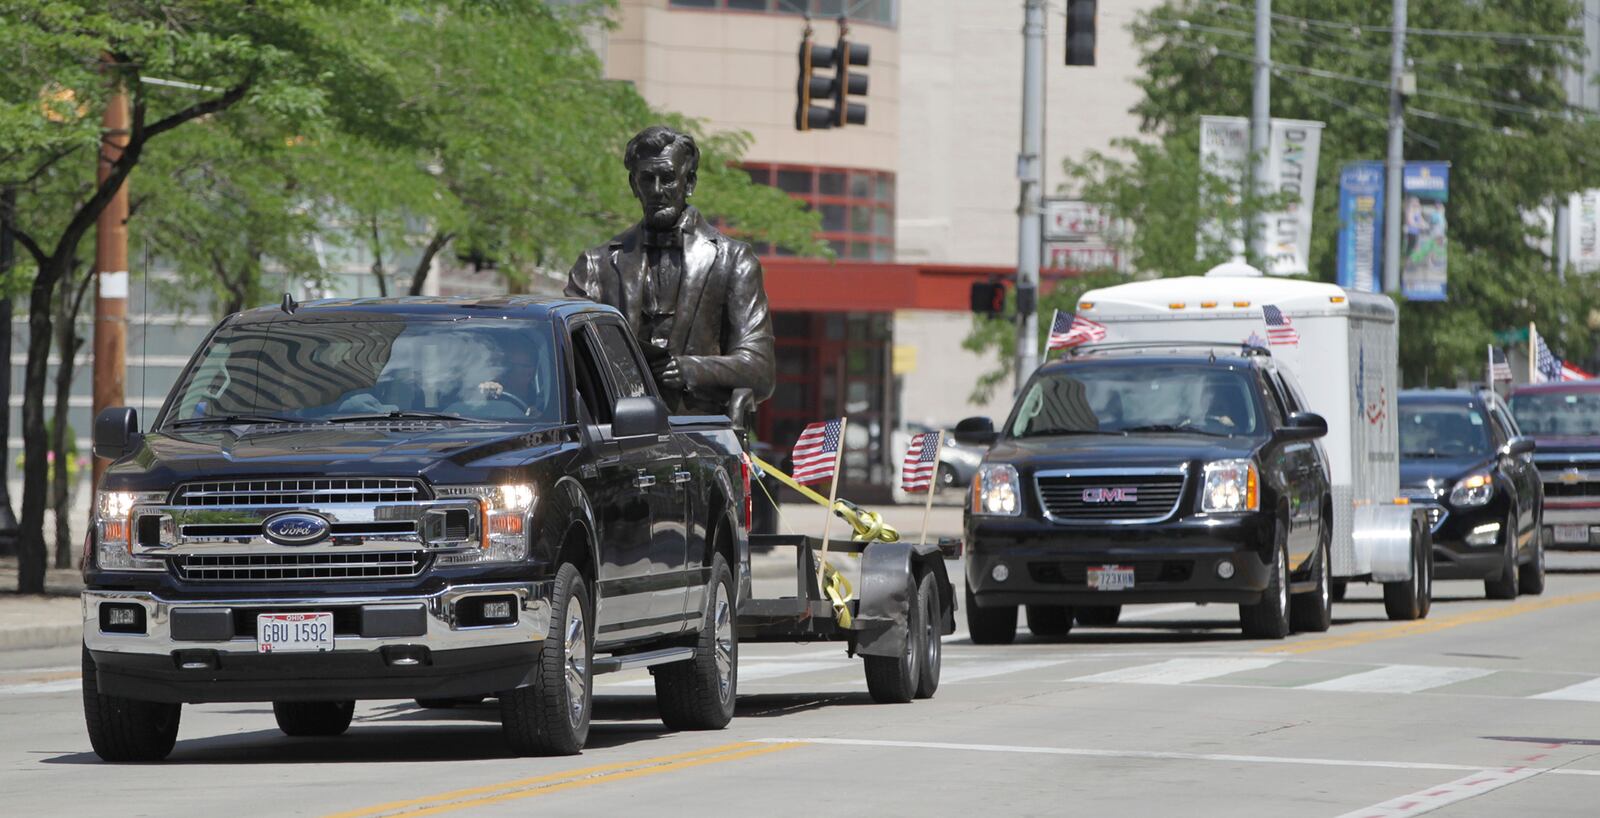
column 1150, row 473
column 430, row 498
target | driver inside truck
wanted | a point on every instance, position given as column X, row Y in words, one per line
column 524, row 376
column 1226, row 411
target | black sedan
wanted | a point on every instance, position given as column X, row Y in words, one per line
column 1462, row 455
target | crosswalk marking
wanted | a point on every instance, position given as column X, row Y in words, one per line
column 968, row 672
column 1399, row 679
column 1588, row 691
column 1178, row 671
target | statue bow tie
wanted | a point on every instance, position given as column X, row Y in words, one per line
column 670, row 238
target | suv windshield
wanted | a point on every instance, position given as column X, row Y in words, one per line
column 327, row 371
column 1098, row 399
column 1557, row 414
column 1442, row 430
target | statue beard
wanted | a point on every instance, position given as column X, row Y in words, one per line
column 661, row 219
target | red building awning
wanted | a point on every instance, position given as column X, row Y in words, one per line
column 810, row 285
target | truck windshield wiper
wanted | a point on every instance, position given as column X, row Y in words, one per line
column 396, row 415
column 1167, row 427
column 1057, row 432
column 241, row 418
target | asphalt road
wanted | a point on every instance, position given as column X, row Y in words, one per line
column 1484, row 709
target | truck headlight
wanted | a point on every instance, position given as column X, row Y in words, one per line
column 1472, row 490
column 504, row 513
column 113, row 529
column 1230, row 485
column 996, row 490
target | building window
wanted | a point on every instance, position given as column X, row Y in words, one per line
column 882, row 12
column 856, row 206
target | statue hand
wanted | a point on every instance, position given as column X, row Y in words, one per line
column 667, row 372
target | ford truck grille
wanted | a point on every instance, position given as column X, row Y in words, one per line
column 323, row 565
column 301, row 493
column 1077, row 497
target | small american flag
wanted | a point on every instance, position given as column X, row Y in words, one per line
column 1070, row 330
column 1280, row 330
column 921, row 463
column 1547, row 367
column 1499, row 370
column 816, row 451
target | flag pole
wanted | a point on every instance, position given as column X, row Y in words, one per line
column 1533, row 354
column 1044, row 355
column 933, row 483
column 833, row 489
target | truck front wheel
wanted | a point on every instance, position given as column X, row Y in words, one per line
column 313, row 718
column 122, row 729
column 698, row 693
column 1269, row 618
column 551, row 716
column 991, row 626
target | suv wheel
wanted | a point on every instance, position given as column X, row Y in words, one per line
column 551, row 716
column 1049, row 620
column 698, row 694
column 1506, row 585
column 991, row 626
column 1313, row 611
column 122, row 729
column 1269, row 618
column 1531, row 579
column 313, row 718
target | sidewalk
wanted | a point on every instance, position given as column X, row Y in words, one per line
column 48, row 620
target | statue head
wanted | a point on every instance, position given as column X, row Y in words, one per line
column 662, row 166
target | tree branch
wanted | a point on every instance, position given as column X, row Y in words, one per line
column 425, row 264
column 195, row 111
column 29, row 244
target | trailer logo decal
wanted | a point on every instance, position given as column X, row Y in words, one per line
column 1118, row 494
column 1376, row 411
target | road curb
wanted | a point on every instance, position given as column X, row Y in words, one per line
column 41, row 636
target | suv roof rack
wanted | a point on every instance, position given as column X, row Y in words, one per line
column 1241, row 349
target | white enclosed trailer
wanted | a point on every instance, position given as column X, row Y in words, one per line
column 1343, row 348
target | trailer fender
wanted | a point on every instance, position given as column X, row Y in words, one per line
column 881, row 615
column 1383, row 533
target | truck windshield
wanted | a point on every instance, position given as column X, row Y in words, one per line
column 1101, row 399
column 1557, row 414
column 328, row 371
column 1442, row 430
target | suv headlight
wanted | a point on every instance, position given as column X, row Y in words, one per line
column 504, row 513
column 1230, row 485
column 996, row 490
column 1472, row 490
column 113, row 528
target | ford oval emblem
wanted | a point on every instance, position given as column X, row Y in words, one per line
column 295, row 529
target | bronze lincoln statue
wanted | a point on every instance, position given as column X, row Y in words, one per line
column 693, row 296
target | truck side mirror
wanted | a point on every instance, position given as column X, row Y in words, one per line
column 116, row 432
column 1303, row 426
column 1518, row 446
column 639, row 421
column 976, row 431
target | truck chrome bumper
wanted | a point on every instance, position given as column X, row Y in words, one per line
column 429, row 621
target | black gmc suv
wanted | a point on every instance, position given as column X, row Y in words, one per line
column 429, row 498
column 1134, row 473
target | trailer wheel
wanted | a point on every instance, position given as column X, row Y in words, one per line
column 1049, row 620
column 123, row 729
column 894, row 679
column 932, row 635
column 698, row 693
column 1098, row 616
column 1313, row 611
column 1269, row 618
column 1410, row 599
column 313, row 718
column 551, row 716
column 991, row 626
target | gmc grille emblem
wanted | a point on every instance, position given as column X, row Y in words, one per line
column 1120, row 494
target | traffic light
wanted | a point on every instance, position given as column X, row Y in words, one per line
column 1080, row 32
column 847, row 82
column 810, row 86
column 989, row 297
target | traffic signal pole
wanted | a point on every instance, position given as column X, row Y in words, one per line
column 1392, row 209
column 111, row 270
column 1260, row 125
column 1029, row 166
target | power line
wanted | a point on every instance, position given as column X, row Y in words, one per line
column 1355, row 109
column 1509, row 37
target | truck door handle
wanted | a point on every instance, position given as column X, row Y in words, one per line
column 644, row 481
column 680, row 477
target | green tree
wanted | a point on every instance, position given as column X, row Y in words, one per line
column 1494, row 107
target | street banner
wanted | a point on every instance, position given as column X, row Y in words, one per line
column 1361, row 226
column 1293, row 149
column 1424, row 257
column 1583, row 232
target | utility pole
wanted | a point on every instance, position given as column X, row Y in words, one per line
column 1029, row 166
column 111, row 268
column 1396, row 162
column 1261, row 126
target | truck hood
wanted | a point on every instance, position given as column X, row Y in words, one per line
column 444, row 452
column 1102, row 451
column 1567, row 444
column 1429, row 472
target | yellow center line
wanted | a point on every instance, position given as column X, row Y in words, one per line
column 1403, row 629
column 568, row 779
